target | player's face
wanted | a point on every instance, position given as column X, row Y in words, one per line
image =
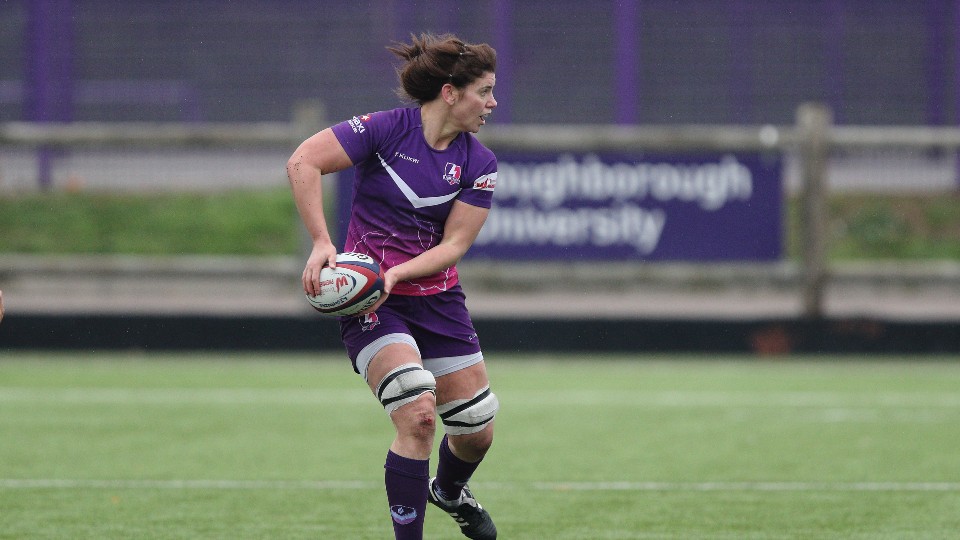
column 476, row 103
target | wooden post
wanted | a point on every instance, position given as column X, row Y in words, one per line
column 813, row 127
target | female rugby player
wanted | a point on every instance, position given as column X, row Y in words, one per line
column 422, row 190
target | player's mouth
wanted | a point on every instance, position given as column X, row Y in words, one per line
column 483, row 118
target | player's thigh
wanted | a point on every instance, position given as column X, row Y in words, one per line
column 462, row 384
column 387, row 359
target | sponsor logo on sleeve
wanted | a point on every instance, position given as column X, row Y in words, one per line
column 356, row 124
column 486, row 182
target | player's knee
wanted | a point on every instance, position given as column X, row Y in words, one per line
column 471, row 416
column 475, row 445
column 405, row 385
column 417, row 419
column 408, row 394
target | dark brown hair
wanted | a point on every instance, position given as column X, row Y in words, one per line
column 431, row 61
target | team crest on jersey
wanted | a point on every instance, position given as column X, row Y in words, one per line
column 451, row 173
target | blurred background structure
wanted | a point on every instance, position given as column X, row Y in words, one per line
column 844, row 112
column 561, row 61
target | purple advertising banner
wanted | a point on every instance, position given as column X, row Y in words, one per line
column 658, row 208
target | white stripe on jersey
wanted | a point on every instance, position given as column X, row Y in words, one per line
column 416, row 200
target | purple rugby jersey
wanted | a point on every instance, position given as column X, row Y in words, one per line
column 404, row 189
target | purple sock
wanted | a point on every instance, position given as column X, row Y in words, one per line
column 452, row 473
column 406, row 481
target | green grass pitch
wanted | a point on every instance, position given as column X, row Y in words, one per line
column 171, row 446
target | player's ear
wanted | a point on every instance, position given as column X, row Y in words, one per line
column 450, row 93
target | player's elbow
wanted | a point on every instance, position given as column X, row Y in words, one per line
column 294, row 166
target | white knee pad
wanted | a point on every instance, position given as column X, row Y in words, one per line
column 403, row 385
column 465, row 416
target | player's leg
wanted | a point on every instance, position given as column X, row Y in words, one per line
column 407, row 393
column 450, row 349
column 467, row 409
column 387, row 356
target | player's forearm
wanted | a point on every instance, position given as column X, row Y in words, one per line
column 435, row 259
column 460, row 231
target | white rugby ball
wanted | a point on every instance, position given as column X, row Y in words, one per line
column 353, row 286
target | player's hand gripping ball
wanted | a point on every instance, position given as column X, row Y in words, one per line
column 353, row 286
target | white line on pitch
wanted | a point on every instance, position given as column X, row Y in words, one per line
column 286, row 485
column 180, row 396
column 232, row 396
column 55, row 483
column 748, row 486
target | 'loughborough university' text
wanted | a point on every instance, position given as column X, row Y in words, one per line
column 592, row 203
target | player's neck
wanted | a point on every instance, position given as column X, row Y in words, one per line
column 436, row 131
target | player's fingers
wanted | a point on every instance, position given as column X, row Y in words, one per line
column 311, row 281
column 389, row 280
column 305, row 281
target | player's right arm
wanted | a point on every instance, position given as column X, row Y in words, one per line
column 318, row 155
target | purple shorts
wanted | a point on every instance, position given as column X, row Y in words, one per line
column 438, row 326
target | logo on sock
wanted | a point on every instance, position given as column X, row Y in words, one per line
column 403, row 515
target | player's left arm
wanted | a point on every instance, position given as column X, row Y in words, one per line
column 459, row 232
